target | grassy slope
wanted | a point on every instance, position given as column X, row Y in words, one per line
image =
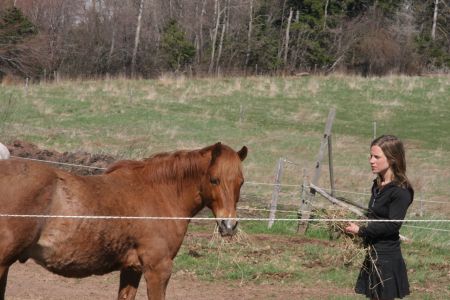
column 274, row 117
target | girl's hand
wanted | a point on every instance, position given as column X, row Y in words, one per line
column 352, row 228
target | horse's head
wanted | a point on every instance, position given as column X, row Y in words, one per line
column 222, row 184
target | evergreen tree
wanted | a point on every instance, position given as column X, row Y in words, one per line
column 15, row 29
column 435, row 52
column 263, row 57
column 178, row 51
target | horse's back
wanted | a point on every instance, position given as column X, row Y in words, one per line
column 25, row 187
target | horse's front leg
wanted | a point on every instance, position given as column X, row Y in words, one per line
column 157, row 277
column 129, row 282
column 3, row 278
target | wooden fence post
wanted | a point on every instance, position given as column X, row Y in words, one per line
column 421, row 205
column 241, row 113
column 26, row 85
column 276, row 191
column 374, row 129
column 305, row 208
column 302, row 198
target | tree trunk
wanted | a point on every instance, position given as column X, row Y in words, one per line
column 227, row 18
column 281, row 44
column 249, row 35
column 155, row 21
column 113, row 35
column 214, row 38
column 200, row 34
column 111, row 49
column 222, row 35
column 325, row 14
column 286, row 49
column 136, row 38
column 297, row 42
column 433, row 29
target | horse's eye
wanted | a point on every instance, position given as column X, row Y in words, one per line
column 214, row 181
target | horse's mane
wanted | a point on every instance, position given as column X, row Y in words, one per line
column 165, row 167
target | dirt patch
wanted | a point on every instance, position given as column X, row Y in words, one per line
column 72, row 161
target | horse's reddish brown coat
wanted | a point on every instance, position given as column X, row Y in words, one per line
column 174, row 184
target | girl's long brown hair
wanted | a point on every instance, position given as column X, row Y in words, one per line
column 394, row 151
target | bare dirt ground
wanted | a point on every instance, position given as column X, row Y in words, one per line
column 31, row 281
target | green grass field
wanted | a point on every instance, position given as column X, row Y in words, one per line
column 275, row 117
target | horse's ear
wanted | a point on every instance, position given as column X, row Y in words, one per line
column 243, row 153
column 215, row 152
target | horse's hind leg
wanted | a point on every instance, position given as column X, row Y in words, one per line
column 3, row 279
column 129, row 282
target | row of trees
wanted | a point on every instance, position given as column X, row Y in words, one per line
column 41, row 38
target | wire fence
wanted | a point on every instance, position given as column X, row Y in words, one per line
column 246, row 198
column 94, row 217
column 247, row 182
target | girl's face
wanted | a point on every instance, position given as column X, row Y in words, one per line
column 378, row 161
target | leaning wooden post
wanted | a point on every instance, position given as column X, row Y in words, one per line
column 305, row 208
column 341, row 203
column 330, row 165
column 350, row 207
column 276, row 191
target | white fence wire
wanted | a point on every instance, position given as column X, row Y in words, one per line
column 248, row 182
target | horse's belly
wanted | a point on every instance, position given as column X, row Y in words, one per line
column 76, row 255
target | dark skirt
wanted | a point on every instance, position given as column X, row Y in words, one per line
column 383, row 276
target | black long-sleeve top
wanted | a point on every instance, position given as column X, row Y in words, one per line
column 388, row 203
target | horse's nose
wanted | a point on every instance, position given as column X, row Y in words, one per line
column 227, row 227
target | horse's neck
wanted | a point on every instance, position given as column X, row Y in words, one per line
column 189, row 201
column 181, row 197
column 186, row 191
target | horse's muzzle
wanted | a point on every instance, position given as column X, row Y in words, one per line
column 227, row 227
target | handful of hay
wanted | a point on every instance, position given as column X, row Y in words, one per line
column 351, row 246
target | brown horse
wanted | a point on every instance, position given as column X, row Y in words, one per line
column 175, row 186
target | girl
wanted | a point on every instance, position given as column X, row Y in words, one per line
column 383, row 274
